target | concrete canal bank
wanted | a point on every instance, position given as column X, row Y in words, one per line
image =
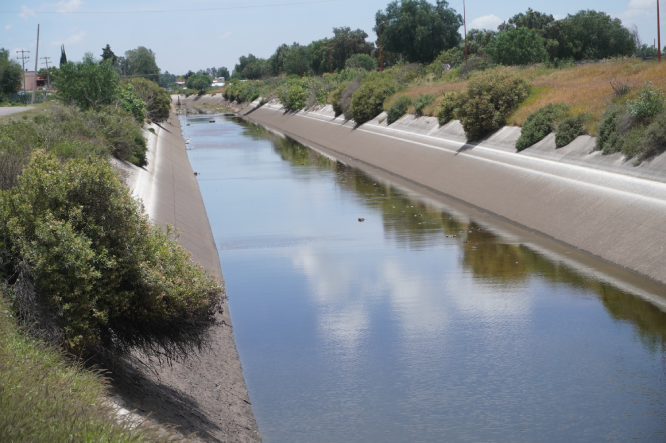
column 206, row 393
column 601, row 205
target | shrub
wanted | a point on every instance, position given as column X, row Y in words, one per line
column 367, row 102
column 155, row 99
column 398, row 109
column 479, row 62
column 540, row 123
column 488, row 101
column 103, row 274
column 242, row 92
column 448, row 107
column 336, row 97
column 608, row 136
column 518, row 46
column 654, row 138
column 131, row 103
column 569, row 129
column 363, row 61
column 422, row 101
column 648, row 103
column 293, row 95
column 87, row 84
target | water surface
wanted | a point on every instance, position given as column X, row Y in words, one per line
column 425, row 322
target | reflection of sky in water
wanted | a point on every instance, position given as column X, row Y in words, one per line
column 388, row 330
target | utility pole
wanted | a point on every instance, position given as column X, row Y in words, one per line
column 23, row 58
column 465, row 29
column 658, row 34
column 34, row 85
column 48, row 74
column 381, row 65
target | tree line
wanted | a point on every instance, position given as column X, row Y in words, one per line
column 416, row 31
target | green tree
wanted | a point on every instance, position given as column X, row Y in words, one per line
column 250, row 67
column 361, row 61
column 10, row 73
column 107, row 54
column 531, row 19
column 199, row 82
column 518, row 46
column 88, row 83
column 140, row 62
column 417, row 29
column 593, row 35
column 63, row 56
column 478, row 40
column 155, row 98
column 346, row 43
column 223, row 72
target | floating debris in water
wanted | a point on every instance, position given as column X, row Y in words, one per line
column 361, row 219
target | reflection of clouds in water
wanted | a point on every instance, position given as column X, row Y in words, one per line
column 422, row 301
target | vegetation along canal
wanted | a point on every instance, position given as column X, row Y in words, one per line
column 426, row 322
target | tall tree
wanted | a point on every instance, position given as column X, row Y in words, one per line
column 223, row 72
column 141, row 62
column 417, row 29
column 346, row 43
column 107, row 54
column 63, row 56
column 10, row 73
column 593, row 35
column 518, row 46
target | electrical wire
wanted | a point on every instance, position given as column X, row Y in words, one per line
column 175, row 10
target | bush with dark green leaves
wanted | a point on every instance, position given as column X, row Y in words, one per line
column 89, row 270
column 335, row 98
column 10, row 73
column 518, row 46
column 569, row 129
column 155, row 99
column 490, row 97
column 422, row 101
column 368, row 100
column 398, row 109
column 449, row 106
column 242, row 91
column 131, row 102
column 293, row 94
column 540, row 123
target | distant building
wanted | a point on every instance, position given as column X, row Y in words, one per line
column 30, row 81
column 180, row 81
column 217, row 82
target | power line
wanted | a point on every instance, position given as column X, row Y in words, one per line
column 175, row 10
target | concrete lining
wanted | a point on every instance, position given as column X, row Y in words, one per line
column 597, row 204
column 205, row 393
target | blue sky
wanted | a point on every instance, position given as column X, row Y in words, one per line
column 189, row 37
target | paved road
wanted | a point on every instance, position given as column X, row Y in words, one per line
column 9, row 110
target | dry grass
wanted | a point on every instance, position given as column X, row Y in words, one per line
column 587, row 88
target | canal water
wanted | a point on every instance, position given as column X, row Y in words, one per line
column 427, row 321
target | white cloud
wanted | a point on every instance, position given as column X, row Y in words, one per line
column 486, row 22
column 9, row 26
column 638, row 8
column 68, row 6
column 27, row 12
column 559, row 16
column 71, row 40
column 225, row 35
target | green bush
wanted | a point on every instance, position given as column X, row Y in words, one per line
column 448, row 107
column 363, row 61
column 649, row 102
column 398, row 109
column 243, row 91
column 540, row 123
column 489, row 99
column 155, row 99
column 569, row 129
column 367, row 102
column 335, row 98
column 87, row 84
column 422, row 101
column 475, row 62
column 608, row 137
column 103, row 274
column 131, row 103
column 293, row 95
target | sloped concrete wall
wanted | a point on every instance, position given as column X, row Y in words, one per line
column 598, row 204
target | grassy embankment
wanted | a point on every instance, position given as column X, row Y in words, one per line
column 46, row 397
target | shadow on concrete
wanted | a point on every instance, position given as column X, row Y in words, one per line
column 467, row 147
column 141, row 390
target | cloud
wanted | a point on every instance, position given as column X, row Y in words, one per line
column 67, row 6
column 559, row 16
column 71, row 40
column 225, row 35
column 486, row 22
column 638, row 8
column 9, row 26
column 27, row 12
